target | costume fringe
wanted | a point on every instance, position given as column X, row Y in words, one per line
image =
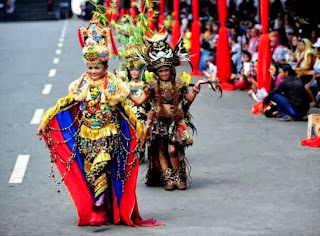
column 94, row 134
column 132, row 119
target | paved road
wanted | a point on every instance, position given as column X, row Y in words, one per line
column 250, row 174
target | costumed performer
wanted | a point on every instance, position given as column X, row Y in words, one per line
column 92, row 137
column 169, row 125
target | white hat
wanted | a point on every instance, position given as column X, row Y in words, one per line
column 316, row 44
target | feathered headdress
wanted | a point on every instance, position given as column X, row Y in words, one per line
column 132, row 33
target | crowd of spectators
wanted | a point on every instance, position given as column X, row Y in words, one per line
column 294, row 44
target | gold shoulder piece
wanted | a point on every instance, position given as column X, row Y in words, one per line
column 62, row 105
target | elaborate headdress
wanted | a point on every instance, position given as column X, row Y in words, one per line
column 132, row 33
column 160, row 53
column 93, row 40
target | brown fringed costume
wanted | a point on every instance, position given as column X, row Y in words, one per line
column 168, row 127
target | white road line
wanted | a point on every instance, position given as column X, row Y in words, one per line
column 47, row 89
column 61, row 39
column 52, row 73
column 58, row 51
column 19, row 169
column 60, row 45
column 56, row 60
column 64, row 29
column 37, row 116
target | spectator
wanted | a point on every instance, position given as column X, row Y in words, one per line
column 304, row 66
column 236, row 56
column 247, row 70
column 278, row 50
column 315, row 81
column 259, row 94
column 253, row 43
column 290, row 96
column 211, row 70
column 205, row 53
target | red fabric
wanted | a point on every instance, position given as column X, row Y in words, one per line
column 256, row 108
column 127, row 204
column 74, row 180
column 241, row 85
column 311, row 142
column 114, row 48
column 176, row 24
column 133, row 11
column 129, row 211
column 264, row 52
column 223, row 51
column 161, row 27
column 195, row 36
column 116, row 212
column 80, row 38
column 264, row 13
column 150, row 23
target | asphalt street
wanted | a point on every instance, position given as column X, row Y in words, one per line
column 250, row 175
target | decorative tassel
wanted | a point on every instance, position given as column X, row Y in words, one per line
column 88, row 98
column 103, row 97
column 80, row 38
column 115, row 52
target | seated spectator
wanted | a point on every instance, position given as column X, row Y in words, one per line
column 290, row 95
column 211, row 70
column 205, row 53
column 304, row 67
column 278, row 50
column 241, row 81
column 315, row 81
column 236, row 56
column 253, row 44
column 259, row 94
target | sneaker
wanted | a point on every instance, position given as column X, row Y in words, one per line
column 286, row 118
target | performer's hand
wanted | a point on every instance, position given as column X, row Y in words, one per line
column 40, row 131
column 202, row 81
column 140, row 143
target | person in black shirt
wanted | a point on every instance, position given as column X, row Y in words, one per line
column 290, row 96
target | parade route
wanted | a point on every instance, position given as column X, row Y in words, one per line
column 250, row 175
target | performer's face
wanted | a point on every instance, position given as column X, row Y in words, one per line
column 134, row 73
column 96, row 71
column 164, row 73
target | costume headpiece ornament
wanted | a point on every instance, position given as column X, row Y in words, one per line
column 160, row 53
column 94, row 38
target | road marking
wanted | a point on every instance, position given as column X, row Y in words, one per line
column 60, row 45
column 61, row 39
column 52, row 73
column 19, row 169
column 47, row 89
column 37, row 116
column 56, row 60
column 64, row 29
column 58, row 51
